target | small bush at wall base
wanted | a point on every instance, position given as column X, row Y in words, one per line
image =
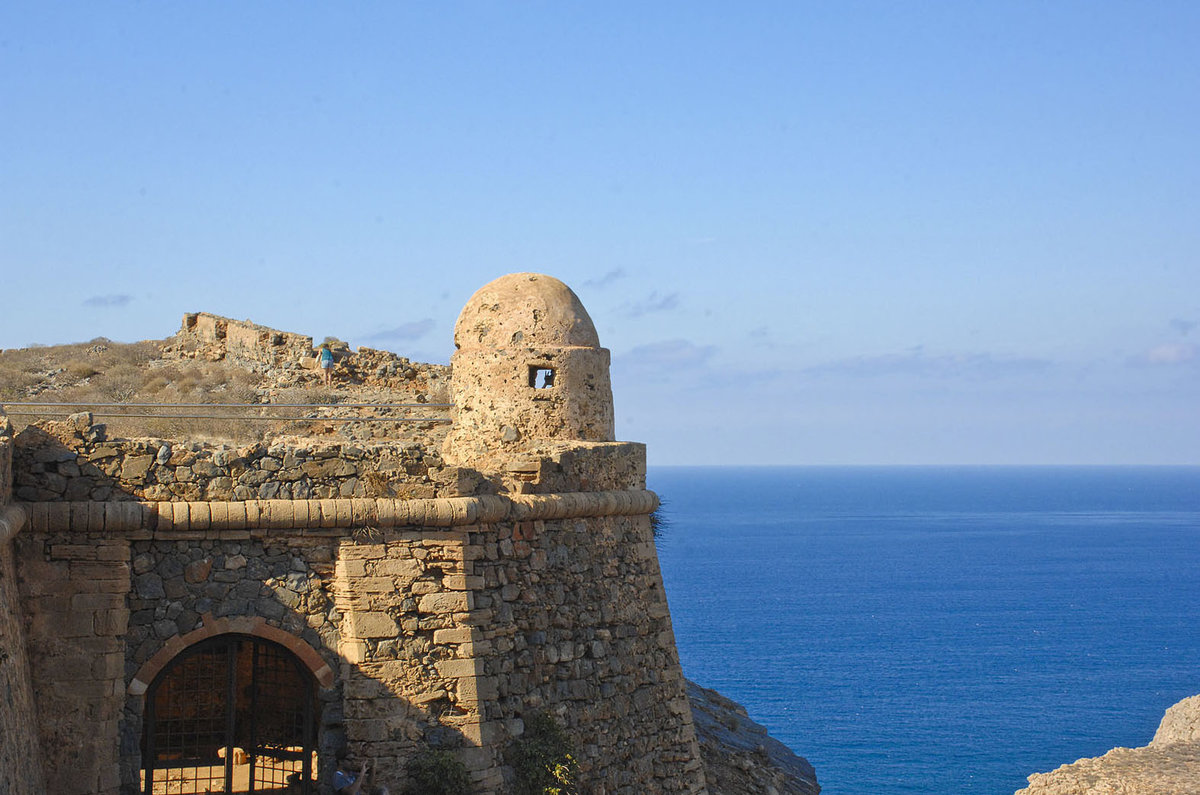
column 436, row 773
column 542, row 759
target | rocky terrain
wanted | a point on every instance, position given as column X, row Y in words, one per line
column 247, row 388
column 740, row 758
column 1169, row 765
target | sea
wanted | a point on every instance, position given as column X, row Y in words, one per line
column 937, row 630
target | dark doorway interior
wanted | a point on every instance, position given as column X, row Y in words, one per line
column 231, row 714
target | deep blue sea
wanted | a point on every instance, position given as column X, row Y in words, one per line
column 938, row 630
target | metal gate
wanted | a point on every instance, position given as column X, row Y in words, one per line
column 231, row 714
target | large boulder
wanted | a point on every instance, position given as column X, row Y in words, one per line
column 1169, row 765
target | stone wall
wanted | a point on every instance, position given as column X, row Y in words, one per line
column 6, row 460
column 20, row 754
column 181, row 587
column 72, row 460
column 441, row 622
column 573, row 621
column 73, row 589
column 244, row 341
column 409, row 644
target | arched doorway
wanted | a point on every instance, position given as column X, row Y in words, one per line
column 231, row 714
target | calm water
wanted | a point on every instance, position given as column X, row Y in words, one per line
column 938, row 630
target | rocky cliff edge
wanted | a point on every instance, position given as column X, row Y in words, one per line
column 739, row 757
column 1169, row 765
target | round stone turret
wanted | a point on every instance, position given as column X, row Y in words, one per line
column 528, row 369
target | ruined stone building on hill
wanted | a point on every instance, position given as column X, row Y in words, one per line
column 187, row 617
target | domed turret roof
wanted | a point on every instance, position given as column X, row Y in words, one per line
column 525, row 310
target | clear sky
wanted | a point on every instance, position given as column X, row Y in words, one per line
column 810, row 232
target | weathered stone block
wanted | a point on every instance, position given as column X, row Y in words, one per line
column 375, row 584
column 455, row 669
column 462, row 582
column 405, row 568
column 372, row 625
column 135, row 467
column 455, row 636
column 111, row 622
column 444, row 602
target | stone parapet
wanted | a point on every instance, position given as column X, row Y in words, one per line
column 72, row 460
column 141, row 518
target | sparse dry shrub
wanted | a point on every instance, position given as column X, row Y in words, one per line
column 242, row 393
column 81, row 369
column 317, row 395
column 120, row 384
column 155, row 384
column 247, row 379
column 15, row 382
column 135, row 353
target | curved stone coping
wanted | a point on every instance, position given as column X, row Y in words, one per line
column 101, row 517
column 241, row 625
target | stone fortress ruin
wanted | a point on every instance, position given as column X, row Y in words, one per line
column 185, row 617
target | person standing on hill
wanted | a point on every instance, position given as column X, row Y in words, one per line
column 325, row 360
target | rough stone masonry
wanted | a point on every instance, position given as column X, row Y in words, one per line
column 430, row 599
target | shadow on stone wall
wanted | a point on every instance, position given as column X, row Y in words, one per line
column 366, row 707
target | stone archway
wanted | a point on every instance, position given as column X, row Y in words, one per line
column 232, row 713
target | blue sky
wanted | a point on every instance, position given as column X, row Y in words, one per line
column 810, row 233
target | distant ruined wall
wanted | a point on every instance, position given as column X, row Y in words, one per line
column 245, row 341
column 20, row 755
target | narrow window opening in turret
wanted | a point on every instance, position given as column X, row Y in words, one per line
column 541, row 377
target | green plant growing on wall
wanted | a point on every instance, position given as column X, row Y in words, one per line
column 436, row 773
column 542, row 759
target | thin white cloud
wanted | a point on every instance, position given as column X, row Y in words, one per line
column 651, row 304
column 1181, row 326
column 108, row 301
column 916, row 363
column 1171, row 353
column 406, row 331
column 607, row 279
column 664, row 358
